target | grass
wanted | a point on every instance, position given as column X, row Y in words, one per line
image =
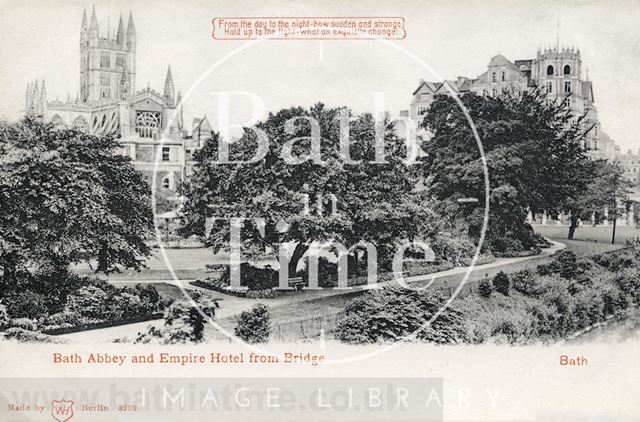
column 599, row 234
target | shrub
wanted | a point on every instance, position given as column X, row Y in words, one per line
column 183, row 323
column 254, row 278
column 24, row 323
column 125, row 305
column 258, row 278
column 26, row 304
column 628, row 281
column 64, row 319
column 524, row 281
column 506, row 244
column 393, row 314
column 89, row 302
column 485, row 288
column 501, row 283
column 567, row 262
column 22, row 335
column 452, row 247
column 588, row 308
column 254, row 325
column 512, row 326
column 4, row 316
column 614, row 300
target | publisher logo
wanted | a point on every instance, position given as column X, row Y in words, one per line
column 62, row 410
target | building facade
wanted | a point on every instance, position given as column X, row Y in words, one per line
column 557, row 71
column 148, row 123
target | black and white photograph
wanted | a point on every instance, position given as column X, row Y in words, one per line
column 335, row 210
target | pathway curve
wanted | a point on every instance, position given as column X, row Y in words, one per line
column 231, row 306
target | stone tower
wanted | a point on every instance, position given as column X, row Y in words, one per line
column 105, row 60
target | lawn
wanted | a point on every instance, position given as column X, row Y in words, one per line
column 589, row 240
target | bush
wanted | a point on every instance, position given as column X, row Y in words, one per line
column 524, row 281
column 63, row 319
column 26, row 336
column 89, row 302
column 254, row 278
column 614, row 300
column 254, row 325
column 393, row 314
column 4, row 316
column 24, row 323
column 26, row 304
column 485, row 288
column 501, row 283
column 567, row 262
column 588, row 308
column 452, row 247
column 628, row 281
column 183, row 323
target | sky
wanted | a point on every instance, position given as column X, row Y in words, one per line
column 40, row 40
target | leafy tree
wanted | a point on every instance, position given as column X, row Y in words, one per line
column 612, row 189
column 375, row 202
column 66, row 196
column 533, row 149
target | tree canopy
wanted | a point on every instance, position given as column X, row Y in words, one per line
column 376, row 202
column 66, row 196
column 534, row 154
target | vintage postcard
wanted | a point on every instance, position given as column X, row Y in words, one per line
column 319, row 210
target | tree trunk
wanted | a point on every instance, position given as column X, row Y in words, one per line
column 613, row 235
column 102, row 260
column 298, row 253
column 573, row 225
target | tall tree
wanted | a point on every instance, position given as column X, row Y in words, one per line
column 66, row 196
column 611, row 190
column 534, row 155
column 376, row 202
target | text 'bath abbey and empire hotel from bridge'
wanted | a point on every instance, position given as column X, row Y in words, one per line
column 108, row 102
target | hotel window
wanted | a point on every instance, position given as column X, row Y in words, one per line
column 493, row 77
column 549, row 87
column 105, row 60
column 549, row 70
column 188, row 156
column 166, row 183
column 165, row 154
column 494, row 92
column 104, row 79
column 567, row 70
column 424, row 97
column 567, row 87
column 504, row 77
column 566, row 102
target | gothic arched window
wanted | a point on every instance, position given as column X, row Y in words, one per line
column 567, row 70
column 549, row 70
column 57, row 122
column 80, row 124
column 147, row 123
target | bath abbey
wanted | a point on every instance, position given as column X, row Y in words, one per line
column 109, row 103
